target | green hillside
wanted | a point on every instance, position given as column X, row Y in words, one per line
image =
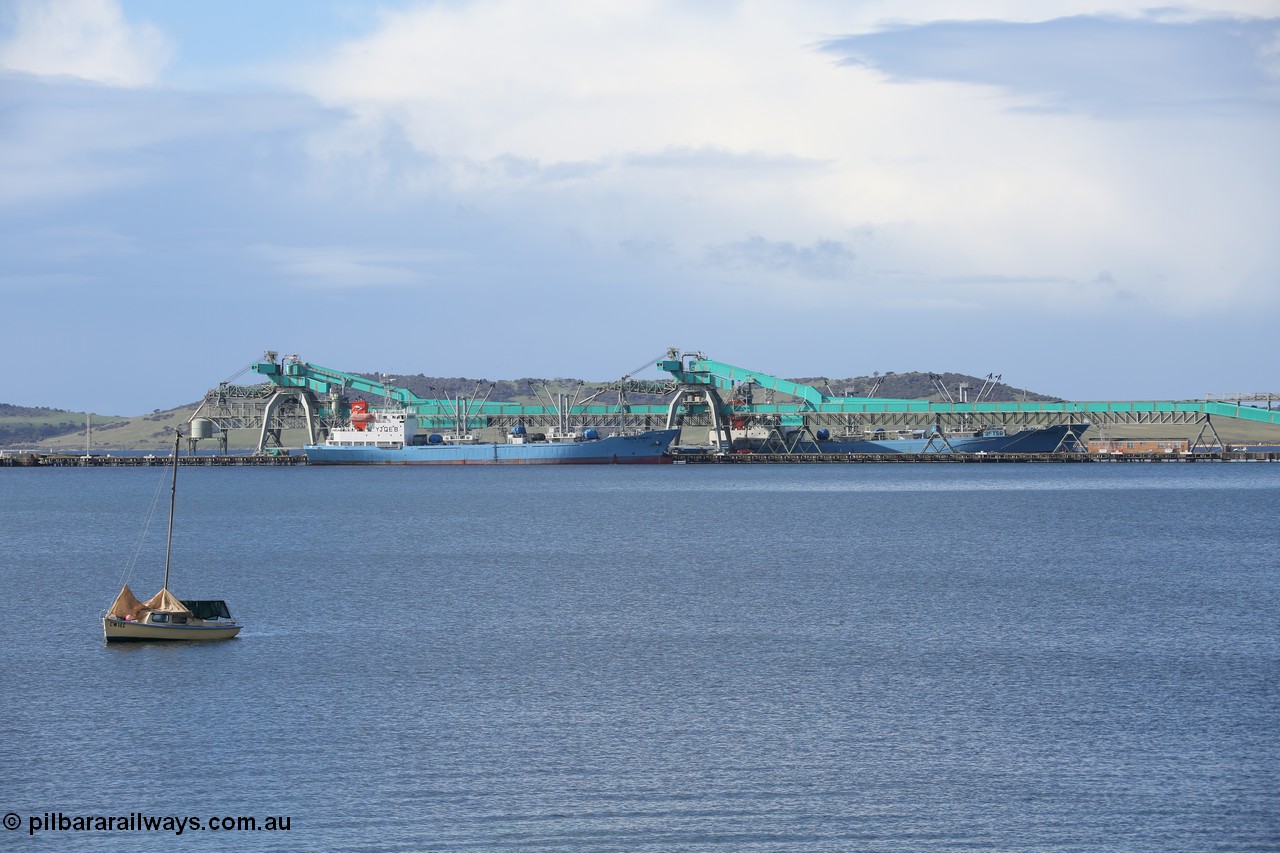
column 55, row 429
column 26, row 426
column 912, row 385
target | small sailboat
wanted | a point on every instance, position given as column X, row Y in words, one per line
column 164, row 616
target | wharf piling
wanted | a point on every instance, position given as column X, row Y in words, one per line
column 970, row 458
column 64, row 460
column 67, row 460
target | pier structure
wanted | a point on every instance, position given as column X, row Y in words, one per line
column 700, row 392
column 798, row 410
column 29, row 459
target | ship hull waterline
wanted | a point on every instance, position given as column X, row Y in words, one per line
column 645, row 449
column 1039, row 440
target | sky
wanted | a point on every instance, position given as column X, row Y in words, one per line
column 1081, row 196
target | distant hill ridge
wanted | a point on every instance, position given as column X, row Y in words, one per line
column 27, row 425
column 914, row 385
column 10, row 411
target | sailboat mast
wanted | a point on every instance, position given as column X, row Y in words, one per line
column 173, row 498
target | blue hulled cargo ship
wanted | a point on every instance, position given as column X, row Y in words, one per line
column 987, row 439
column 392, row 438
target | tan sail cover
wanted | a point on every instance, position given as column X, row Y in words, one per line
column 126, row 605
column 165, row 603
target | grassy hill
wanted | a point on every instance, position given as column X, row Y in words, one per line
column 25, row 426
column 914, row 385
column 920, row 386
column 58, row 430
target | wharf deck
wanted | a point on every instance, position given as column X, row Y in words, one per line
column 56, row 460
column 849, row 458
column 65, row 460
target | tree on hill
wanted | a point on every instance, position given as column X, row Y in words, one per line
column 8, row 410
column 25, row 434
column 918, row 385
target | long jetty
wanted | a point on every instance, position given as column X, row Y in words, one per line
column 68, row 460
column 970, row 458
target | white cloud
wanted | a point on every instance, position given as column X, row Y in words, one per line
column 825, row 259
column 573, row 164
column 670, row 139
column 1104, row 65
column 618, row 123
column 88, row 39
column 341, row 267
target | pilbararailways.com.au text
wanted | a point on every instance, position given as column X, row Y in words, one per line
column 139, row 822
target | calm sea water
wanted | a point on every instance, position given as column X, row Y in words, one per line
column 791, row 658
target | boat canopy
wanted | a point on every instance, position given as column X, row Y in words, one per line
column 165, row 602
column 208, row 609
column 126, row 605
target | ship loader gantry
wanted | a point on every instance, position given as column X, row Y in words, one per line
column 300, row 395
column 794, row 424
